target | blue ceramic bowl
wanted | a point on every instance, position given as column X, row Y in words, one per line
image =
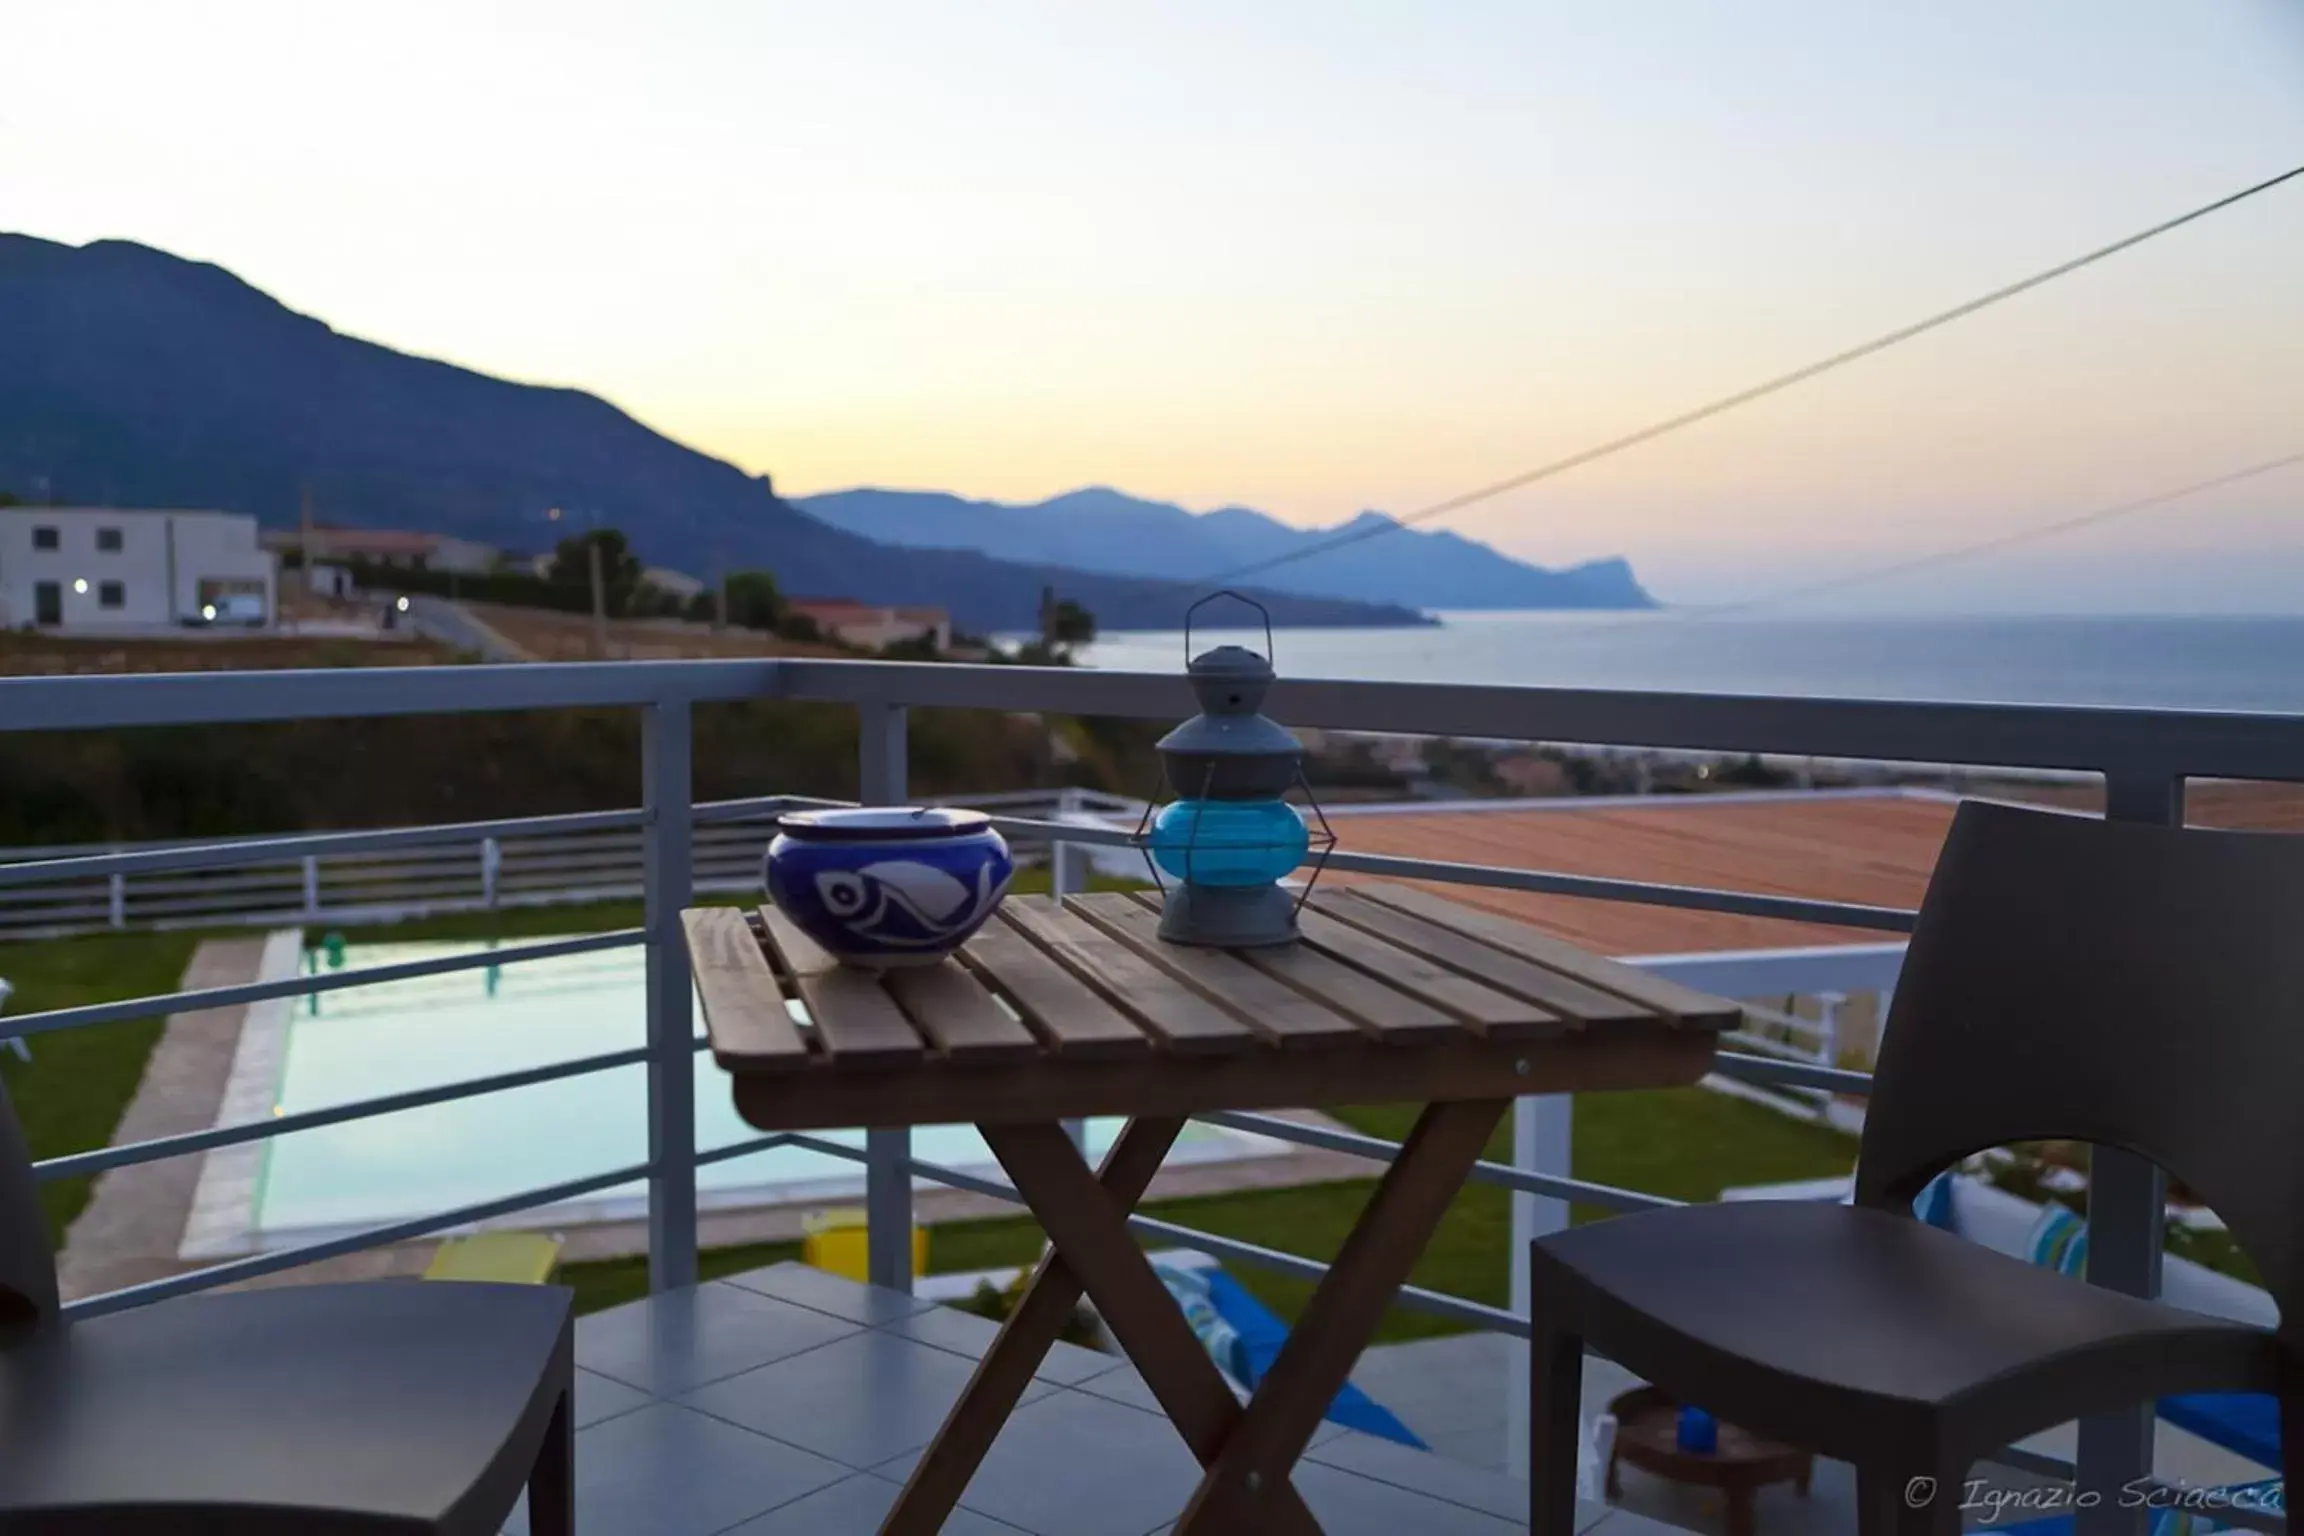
column 880, row 887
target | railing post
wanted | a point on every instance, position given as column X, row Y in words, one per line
column 666, row 796
column 1542, row 1142
column 882, row 778
column 311, row 885
column 2127, row 1211
column 491, row 862
column 1068, row 875
column 119, row 884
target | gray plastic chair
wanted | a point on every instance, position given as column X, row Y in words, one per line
column 2131, row 986
column 387, row 1407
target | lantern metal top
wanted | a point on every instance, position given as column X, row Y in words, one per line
column 1230, row 751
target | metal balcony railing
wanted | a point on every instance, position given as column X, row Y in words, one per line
column 2143, row 756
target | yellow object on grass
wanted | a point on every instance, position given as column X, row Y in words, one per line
column 516, row 1258
column 837, row 1242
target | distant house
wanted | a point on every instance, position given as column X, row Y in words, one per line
column 101, row 568
column 870, row 628
column 388, row 547
column 675, row 583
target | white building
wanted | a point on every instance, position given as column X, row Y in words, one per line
column 101, row 568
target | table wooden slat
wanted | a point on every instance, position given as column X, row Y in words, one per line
column 855, row 1020
column 1379, row 1010
column 1555, row 990
column 1271, row 1007
column 1683, row 1005
column 951, row 1008
column 744, row 1009
column 1480, row 1008
column 1063, row 1011
column 1177, row 1017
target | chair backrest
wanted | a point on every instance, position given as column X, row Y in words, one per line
column 27, row 1264
column 2126, row 985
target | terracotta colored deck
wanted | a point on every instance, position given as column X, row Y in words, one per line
column 1875, row 848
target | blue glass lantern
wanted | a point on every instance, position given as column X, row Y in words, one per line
column 1230, row 837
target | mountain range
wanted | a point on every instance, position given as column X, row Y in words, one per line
column 1099, row 529
column 132, row 377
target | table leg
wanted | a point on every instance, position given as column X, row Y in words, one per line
column 1739, row 1512
column 1343, row 1313
column 1006, row 1369
column 1089, row 1228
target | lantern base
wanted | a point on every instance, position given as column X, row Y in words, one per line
column 1228, row 916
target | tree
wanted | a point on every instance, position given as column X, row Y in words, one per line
column 10, row 499
column 1068, row 626
column 753, row 600
column 1065, row 626
column 619, row 566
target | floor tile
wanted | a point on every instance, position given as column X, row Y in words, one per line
column 967, row 1334
column 1422, row 1472
column 861, row 1400
column 664, row 1470
column 603, row 1397
column 1346, row 1504
column 809, row 1286
column 1075, row 1465
column 678, row 1341
column 856, row 1508
column 1125, row 1384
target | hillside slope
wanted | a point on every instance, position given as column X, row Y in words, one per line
column 132, row 377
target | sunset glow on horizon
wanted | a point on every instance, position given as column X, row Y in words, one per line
column 1305, row 258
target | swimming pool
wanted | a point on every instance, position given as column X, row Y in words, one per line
column 396, row 1036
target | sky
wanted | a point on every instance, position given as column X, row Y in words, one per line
column 1308, row 257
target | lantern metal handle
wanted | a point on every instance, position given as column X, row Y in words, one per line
column 1241, row 597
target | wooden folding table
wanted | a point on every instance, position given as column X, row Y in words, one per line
column 1062, row 1011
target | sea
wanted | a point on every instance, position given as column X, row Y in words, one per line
column 2205, row 663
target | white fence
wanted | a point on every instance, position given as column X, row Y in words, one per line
column 388, row 884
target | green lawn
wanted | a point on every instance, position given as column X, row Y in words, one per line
column 79, row 1081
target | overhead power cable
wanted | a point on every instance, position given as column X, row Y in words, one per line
column 1759, row 391
column 2002, row 541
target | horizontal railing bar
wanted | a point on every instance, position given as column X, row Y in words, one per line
column 1411, row 1296
column 707, row 812
column 263, row 850
column 372, row 1237
column 2090, row 739
column 1377, row 1149
column 324, row 981
column 1414, row 1297
column 1840, row 914
column 1765, row 1069
column 240, row 698
column 2175, row 743
column 135, row 1152
column 735, row 1149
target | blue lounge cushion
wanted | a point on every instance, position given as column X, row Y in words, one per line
column 1934, row 1203
column 2060, row 1241
column 2244, row 1423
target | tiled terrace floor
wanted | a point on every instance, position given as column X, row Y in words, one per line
column 787, row 1402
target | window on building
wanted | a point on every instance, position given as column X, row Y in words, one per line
column 112, row 594
column 108, row 541
column 46, row 538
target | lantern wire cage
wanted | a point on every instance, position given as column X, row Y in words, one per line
column 1320, row 838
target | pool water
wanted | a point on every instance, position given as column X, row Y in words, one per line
column 396, row 1036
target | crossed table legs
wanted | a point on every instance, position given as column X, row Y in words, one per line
column 1246, row 1453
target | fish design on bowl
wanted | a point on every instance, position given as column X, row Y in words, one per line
column 885, row 887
